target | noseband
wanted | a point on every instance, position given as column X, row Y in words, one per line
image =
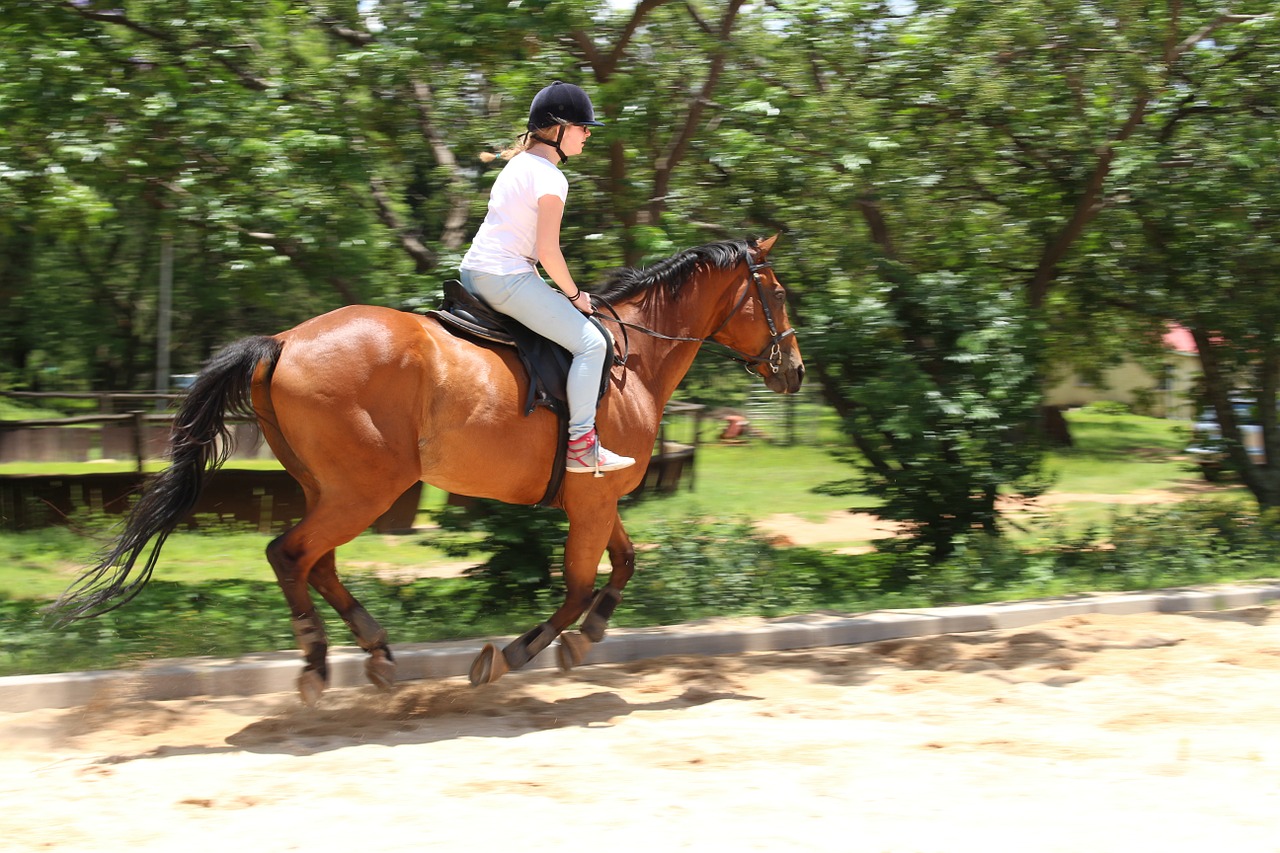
column 770, row 355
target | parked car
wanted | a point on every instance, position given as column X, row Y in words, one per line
column 1207, row 447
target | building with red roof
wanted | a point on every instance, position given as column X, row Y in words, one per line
column 1165, row 395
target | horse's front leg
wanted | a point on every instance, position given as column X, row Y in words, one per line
column 622, row 558
column 587, row 540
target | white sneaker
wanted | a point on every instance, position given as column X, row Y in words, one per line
column 585, row 455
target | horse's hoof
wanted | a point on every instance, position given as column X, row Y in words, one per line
column 598, row 614
column 489, row 666
column 310, row 686
column 573, row 650
column 593, row 627
column 380, row 670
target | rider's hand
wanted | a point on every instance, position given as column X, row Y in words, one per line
column 583, row 302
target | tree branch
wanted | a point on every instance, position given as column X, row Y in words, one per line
column 424, row 259
column 1175, row 52
column 599, row 64
column 604, row 66
column 671, row 158
column 697, row 19
column 290, row 249
column 454, row 234
column 1091, row 201
column 834, row 391
column 114, row 16
column 873, row 216
column 340, row 31
column 118, row 18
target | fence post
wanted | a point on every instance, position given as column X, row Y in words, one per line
column 139, row 437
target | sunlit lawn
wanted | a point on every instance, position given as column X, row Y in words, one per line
column 1121, row 455
column 751, row 481
column 1113, row 455
column 1117, row 454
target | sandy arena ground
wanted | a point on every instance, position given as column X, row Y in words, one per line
column 1092, row 733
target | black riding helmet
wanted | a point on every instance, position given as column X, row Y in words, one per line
column 560, row 104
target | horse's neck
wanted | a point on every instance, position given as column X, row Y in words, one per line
column 660, row 365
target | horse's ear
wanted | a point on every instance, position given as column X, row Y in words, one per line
column 764, row 246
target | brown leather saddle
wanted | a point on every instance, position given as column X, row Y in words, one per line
column 546, row 362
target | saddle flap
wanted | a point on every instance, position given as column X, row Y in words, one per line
column 546, row 361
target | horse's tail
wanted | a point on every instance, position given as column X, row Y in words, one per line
column 199, row 443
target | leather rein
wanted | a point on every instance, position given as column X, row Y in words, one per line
column 773, row 348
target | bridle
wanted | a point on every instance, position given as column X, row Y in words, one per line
column 770, row 355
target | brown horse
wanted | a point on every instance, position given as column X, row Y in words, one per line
column 360, row 403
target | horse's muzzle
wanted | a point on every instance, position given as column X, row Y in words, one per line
column 786, row 375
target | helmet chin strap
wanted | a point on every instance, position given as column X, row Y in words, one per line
column 554, row 144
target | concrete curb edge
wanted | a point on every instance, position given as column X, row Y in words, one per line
column 276, row 672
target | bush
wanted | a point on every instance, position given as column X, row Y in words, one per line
column 525, row 546
column 1196, row 541
column 699, row 570
column 1191, row 542
column 227, row 618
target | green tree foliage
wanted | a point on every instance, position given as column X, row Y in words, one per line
column 1206, row 203
column 980, row 163
column 972, row 193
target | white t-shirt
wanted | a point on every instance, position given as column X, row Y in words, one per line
column 505, row 243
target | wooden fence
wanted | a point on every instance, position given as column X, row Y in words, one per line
column 135, row 436
column 267, row 500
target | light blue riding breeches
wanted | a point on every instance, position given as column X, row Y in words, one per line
column 529, row 299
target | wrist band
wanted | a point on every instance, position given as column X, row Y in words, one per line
column 575, row 296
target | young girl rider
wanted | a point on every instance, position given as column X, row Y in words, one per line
column 522, row 230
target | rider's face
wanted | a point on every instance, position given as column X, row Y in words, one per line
column 575, row 138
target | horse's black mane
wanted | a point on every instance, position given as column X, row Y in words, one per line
column 674, row 271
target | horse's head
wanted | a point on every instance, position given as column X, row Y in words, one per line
column 757, row 326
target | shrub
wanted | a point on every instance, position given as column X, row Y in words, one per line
column 524, row 544
column 722, row 569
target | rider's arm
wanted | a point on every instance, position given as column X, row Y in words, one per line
column 547, row 245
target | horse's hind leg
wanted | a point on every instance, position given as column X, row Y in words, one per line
column 380, row 667
column 622, row 558
column 308, row 626
column 305, row 554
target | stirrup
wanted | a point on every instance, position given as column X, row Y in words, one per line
column 586, row 455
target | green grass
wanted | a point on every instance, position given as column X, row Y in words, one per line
column 115, row 466
column 751, row 481
column 214, row 592
column 40, row 563
column 1113, row 454
column 13, row 410
column 1123, row 455
column 1118, row 454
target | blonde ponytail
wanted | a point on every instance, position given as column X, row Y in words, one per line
column 522, row 143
